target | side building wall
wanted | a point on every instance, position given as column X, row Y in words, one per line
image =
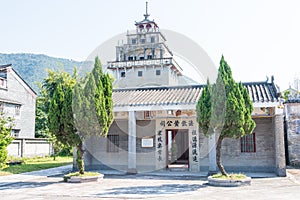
column 154, row 157
column 292, row 117
column 97, row 155
column 17, row 92
column 24, row 147
column 263, row 160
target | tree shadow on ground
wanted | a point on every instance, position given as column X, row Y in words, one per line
column 152, row 190
column 22, row 185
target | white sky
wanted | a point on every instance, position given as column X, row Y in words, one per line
column 258, row 38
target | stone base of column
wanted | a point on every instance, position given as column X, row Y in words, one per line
column 131, row 171
column 281, row 172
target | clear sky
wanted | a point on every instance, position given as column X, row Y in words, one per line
column 258, row 38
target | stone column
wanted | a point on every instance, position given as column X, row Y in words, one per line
column 131, row 143
column 280, row 165
column 212, row 154
column 23, row 148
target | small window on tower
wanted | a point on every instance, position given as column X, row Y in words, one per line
column 123, row 74
column 152, row 39
column 133, row 41
column 149, row 57
column 157, row 72
column 140, row 73
column 143, row 41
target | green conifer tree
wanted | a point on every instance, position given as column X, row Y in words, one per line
column 92, row 104
column 225, row 108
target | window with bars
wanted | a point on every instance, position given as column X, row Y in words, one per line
column 152, row 39
column 157, row 72
column 248, row 143
column 113, row 143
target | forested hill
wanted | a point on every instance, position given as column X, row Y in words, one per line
column 33, row 67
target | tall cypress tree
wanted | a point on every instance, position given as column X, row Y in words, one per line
column 226, row 110
column 93, row 105
column 204, row 109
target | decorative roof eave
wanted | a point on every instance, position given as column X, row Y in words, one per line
column 154, row 107
column 3, row 67
column 146, row 21
column 262, row 94
column 292, row 100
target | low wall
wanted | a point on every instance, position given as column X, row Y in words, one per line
column 29, row 147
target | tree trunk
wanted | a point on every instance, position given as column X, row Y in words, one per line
column 218, row 155
column 79, row 159
column 54, row 153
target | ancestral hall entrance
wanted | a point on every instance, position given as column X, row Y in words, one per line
column 177, row 142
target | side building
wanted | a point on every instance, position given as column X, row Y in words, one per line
column 292, row 131
column 18, row 100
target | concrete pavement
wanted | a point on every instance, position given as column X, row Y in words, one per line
column 47, row 184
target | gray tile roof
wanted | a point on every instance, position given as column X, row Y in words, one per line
column 184, row 95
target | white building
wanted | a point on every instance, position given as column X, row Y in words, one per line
column 155, row 126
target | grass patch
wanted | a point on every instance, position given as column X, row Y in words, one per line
column 34, row 164
column 77, row 174
column 230, row 176
column 83, row 175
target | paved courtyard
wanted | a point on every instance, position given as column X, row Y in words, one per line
column 49, row 185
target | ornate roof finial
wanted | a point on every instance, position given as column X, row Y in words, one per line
column 146, row 15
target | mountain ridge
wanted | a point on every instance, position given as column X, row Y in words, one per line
column 33, row 67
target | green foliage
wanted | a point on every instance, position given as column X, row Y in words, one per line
column 225, row 108
column 5, row 138
column 78, row 109
column 83, row 175
column 93, row 104
column 32, row 67
column 78, row 174
column 204, row 109
column 42, row 129
column 41, row 118
column 230, row 176
column 103, row 97
column 59, row 92
column 286, row 95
